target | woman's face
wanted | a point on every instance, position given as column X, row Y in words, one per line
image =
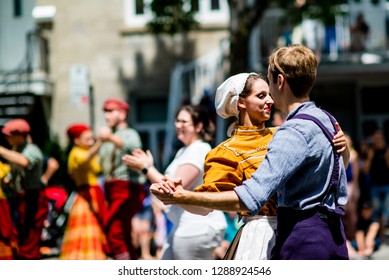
column 86, row 139
column 258, row 103
column 187, row 133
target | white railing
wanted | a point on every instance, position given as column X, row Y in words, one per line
column 190, row 81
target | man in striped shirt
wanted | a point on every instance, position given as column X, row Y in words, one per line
column 29, row 204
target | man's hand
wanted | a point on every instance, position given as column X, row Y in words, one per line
column 104, row 134
column 169, row 190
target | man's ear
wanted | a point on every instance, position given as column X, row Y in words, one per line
column 280, row 81
column 123, row 115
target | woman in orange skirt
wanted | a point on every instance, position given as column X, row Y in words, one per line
column 84, row 237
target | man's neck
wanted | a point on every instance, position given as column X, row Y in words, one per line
column 121, row 125
column 291, row 106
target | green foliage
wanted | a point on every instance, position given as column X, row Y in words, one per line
column 170, row 17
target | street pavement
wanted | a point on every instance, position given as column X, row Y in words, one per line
column 383, row 251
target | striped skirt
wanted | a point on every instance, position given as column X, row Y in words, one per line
column 84, row 237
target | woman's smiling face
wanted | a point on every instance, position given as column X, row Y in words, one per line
column 186, row 130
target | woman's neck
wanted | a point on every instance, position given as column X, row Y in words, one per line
column 245, row 120
column 249, row 123
column 192, row 141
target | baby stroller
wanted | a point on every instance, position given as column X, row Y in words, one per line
column 55, row 222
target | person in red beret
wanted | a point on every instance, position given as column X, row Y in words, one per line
column 84, row 237
column 124, row 188
column 27, row 196
column 115, row 104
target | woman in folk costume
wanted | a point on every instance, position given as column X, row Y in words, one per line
column 8, row 240
column 244, row 97
column 84, row 236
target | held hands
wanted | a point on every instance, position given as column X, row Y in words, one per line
column 104, row 134
column 169, row 190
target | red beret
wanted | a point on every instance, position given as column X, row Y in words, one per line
column 115, row 104
column 75, row 130
column 16, row 126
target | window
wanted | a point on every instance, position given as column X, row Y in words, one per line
column 208, row 12
column 17, row 8
column 215, row 5
column 194, row 5
column 151, row 110
column 139, row 7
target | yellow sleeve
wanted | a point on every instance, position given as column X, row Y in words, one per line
column 95, row 165
column 221, row 171
column 75, row 159
column 78, row 159
column 4, row 169
column 80, row 169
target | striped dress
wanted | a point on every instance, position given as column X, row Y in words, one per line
column 84, row 237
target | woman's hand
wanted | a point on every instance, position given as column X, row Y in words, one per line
column 138, row 160
column 340, row 141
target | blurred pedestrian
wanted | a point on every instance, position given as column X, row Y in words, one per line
column 377, row 166
column 124, row 188
column 84, row 237
column 29, row 204
column 351, row 208
column 193, row 237
column 359, row 34
column 367, row 237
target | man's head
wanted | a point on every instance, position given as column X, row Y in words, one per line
column 115, row 104
column 298, row 65
column 16, row 131
column 115, row 112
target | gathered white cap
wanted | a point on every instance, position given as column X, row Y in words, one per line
column 227, row 96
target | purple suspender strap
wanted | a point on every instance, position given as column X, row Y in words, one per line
column 335, row 172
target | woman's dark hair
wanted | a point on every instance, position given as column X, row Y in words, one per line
column 250, row 83
column 199, row 114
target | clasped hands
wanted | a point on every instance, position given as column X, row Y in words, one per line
column 169, row 190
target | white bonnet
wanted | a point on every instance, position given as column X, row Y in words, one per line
column 227, row 96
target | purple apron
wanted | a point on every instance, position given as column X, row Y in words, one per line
column 314, row 234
